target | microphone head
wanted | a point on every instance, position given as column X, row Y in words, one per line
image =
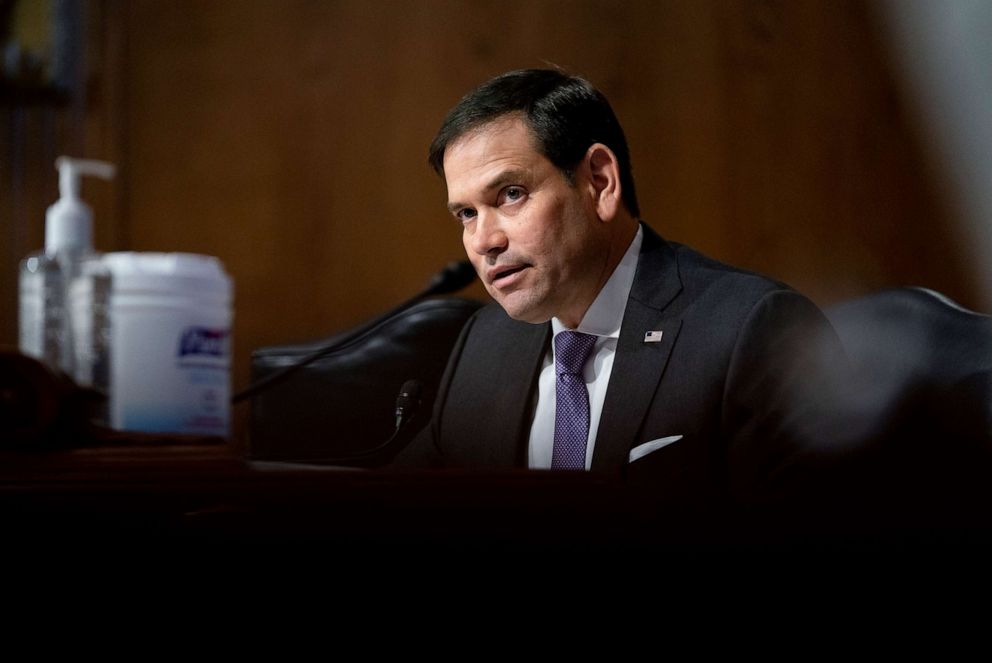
column 455, row 276
column 411, row 389
column 408, row 402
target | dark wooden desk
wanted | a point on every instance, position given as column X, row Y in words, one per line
column 200, row 494
column 202, row 502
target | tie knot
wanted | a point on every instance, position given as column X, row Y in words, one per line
column 571, row 351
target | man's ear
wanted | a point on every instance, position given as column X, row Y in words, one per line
column 603, row 171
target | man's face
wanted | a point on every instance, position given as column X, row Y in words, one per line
column 534, row 239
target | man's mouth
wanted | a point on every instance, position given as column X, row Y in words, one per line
column 505, row 275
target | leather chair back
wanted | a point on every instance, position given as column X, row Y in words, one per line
column 345, row 403
column 914, row 347
column 917, row 406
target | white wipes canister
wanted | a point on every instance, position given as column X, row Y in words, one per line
column 170, row 329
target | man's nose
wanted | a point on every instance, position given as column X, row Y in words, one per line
column 489, row 236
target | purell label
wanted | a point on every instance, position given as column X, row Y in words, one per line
column 171, row 370
column 204, row 342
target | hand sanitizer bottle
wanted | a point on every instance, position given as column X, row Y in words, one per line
column 47, row 279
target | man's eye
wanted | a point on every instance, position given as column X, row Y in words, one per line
column 466, row 214
column 512, row 194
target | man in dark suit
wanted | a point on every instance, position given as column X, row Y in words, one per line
column 696, row 377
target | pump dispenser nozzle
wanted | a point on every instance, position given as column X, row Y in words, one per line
column 69, row 222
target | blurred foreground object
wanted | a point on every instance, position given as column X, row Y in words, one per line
column 41, row 408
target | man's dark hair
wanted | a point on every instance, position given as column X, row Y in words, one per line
column 566, row 115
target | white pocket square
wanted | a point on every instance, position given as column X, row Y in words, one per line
column 642, row 450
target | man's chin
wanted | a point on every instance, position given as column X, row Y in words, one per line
column 523, row 313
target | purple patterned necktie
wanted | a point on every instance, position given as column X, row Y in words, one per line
column 571, row 400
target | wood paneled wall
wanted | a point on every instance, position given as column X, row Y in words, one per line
column 289, row 138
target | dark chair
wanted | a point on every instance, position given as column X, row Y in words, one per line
column 915, row 412
column 344, row 404
column 920, row 330
column 912, row 343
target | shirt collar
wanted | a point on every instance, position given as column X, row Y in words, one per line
column 606, row 312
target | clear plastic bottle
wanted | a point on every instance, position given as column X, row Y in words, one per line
column 44, row 322
column 50, row 279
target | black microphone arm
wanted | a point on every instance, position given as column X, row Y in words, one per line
column 455, row 276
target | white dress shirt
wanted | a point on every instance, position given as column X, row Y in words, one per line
column 603, row 319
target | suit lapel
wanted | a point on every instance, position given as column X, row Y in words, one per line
column 502, row 442
column 638, row 365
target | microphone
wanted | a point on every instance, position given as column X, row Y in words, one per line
column 407, row 404
column 455, row 276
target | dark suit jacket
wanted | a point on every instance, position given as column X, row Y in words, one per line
column 738, row 374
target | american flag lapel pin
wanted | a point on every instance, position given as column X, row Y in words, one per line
column 653, row 336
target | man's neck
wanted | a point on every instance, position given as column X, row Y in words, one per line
column 622, row 232
column 605, row 312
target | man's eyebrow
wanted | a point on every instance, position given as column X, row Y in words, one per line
column 498, row 182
